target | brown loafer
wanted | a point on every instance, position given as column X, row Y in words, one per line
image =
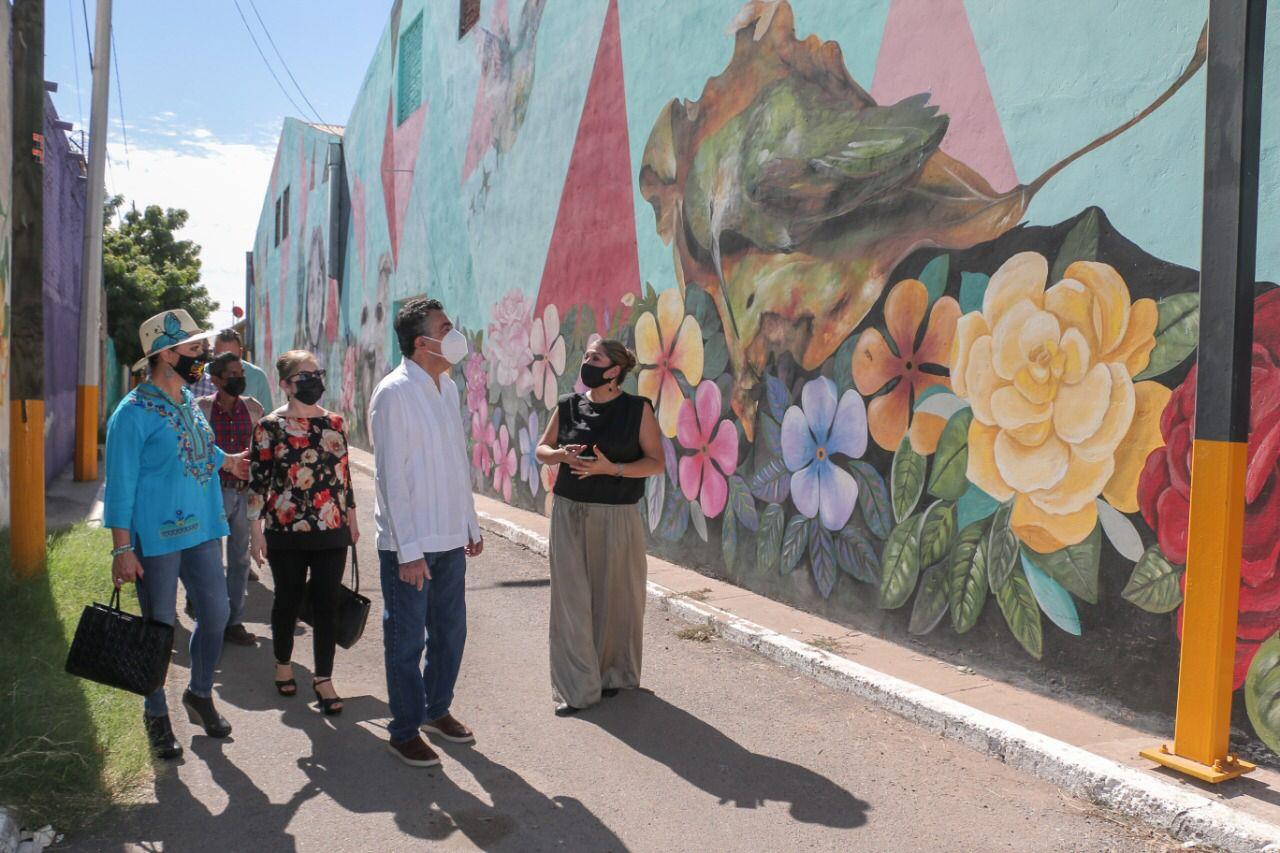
column 415, row 752
column 238, row 635
column 449, row 729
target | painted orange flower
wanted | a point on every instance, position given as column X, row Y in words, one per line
column 669, row 342
column 898, row 364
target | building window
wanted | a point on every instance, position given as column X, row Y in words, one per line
column 277, row 222
column 409, row 81
column 468, row 16
column 284, row 215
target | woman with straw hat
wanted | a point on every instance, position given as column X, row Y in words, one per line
column 163, row 504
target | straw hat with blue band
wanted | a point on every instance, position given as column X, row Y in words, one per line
column 167, row 330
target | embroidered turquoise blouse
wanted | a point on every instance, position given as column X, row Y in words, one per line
column 162, row 472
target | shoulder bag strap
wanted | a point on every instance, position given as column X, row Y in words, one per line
column 355, row 570
column 115, row 597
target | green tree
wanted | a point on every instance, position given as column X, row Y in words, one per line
column 147, row 269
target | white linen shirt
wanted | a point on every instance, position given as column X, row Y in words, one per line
column 423, row 503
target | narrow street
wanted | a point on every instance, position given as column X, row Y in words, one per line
column 722, row 751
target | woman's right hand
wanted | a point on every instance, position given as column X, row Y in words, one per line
column 125, row 567
column 570, row 452
column 257, row 545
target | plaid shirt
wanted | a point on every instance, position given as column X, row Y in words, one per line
column 232, row 431
column 203, row 387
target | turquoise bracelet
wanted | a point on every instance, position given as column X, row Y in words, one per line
column 123, row 549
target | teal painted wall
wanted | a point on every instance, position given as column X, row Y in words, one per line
column 637, row 168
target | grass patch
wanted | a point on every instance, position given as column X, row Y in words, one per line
column 696, row 594
column 69, row 749
column 696, row 633
column 834, row 645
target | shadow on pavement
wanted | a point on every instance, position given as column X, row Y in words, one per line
column 705, row 757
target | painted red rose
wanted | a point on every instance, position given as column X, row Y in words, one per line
column 1164, row 489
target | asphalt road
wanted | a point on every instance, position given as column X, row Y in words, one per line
column 723, row 750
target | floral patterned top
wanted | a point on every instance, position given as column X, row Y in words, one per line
column 299, row 481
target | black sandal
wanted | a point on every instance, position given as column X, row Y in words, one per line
column 330, row 707
column 288, row 687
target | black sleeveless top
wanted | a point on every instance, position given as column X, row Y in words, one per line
column 612, row 427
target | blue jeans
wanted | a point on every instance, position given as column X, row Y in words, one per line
column 200, row 569
column 433, row 618
column 235, row 502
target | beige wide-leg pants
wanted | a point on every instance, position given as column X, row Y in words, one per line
column 598, row 570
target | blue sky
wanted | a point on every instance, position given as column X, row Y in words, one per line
column 201, row 111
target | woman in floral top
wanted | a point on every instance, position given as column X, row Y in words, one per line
column 302, row 495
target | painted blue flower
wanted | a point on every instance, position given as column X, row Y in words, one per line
column 528, row 439
column 814, row 432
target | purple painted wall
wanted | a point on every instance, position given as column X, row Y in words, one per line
column 64, row 201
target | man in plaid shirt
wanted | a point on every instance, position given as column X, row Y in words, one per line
column 233, row 417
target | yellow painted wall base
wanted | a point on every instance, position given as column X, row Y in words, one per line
column 1210, row 611
column 26, row 487
column 86, row 457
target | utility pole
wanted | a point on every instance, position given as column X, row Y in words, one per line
column 1219, row 451
column 86, row 456
column 26, row 389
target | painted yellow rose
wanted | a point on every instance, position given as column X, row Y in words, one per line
column 1057, row 417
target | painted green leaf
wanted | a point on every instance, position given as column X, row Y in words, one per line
column 675, row 517
column 967, row 577
column 1054, row 601
column 794, row 540
column 1022, row 614
column 715, row 355
column 698, row 519
column 744, row 506
column 822, row 560
column 841, row 362
column 934, row 276
column 937, row 532
column 1080, row 244
column 900, row 564
column 906, row 479
column 773, row 523
column 973, row 287
column 873, row 498
column 729, row 537
column 951, row 460
column 655, row 489
column 1177, row 332
column 1262, row 692
column 931, row 601
column 1124, row 537
column 1155, row 584
column 856, row 556
column 1002, row 549
column 1076, row 566
column 975, row 505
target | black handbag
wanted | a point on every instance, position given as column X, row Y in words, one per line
column 350, row 609
column 120, row 649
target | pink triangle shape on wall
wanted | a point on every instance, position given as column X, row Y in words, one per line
column 399, row 159
column 592, row 259
column 928, row 46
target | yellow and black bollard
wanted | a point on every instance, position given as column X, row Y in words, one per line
column 1233, row 117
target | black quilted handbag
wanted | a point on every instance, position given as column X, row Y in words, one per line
column 350, row 610
column 120, row 649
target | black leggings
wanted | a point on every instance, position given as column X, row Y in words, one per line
column 289, row 571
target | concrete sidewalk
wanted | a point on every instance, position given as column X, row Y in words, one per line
column 1086, row 753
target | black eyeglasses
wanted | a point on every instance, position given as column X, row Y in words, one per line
column 307, row 375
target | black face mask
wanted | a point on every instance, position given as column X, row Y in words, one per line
column 593, row 377
column 233, row 386
column 308, row 391
column 190, row 368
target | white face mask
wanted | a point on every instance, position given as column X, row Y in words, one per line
column 453, row 346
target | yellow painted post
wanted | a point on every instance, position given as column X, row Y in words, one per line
column 1220, row 452
column 26, row 487
column 86, row 453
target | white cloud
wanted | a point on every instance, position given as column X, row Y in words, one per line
column 220, row 184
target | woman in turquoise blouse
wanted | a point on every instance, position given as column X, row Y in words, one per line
column 163, row 504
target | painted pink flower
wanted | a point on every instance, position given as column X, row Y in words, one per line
column 703, row 475
column 477, row 378
column 483, row 435
column 504, row 463
column 549, row 475
column 547, row 345
column 506, row 345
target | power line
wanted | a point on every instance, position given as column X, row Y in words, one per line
column 280, row 56
column 75, row 61
column 265, row 62
column 124, row 128
column 88, row 44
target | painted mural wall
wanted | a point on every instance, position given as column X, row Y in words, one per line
column 912, row 284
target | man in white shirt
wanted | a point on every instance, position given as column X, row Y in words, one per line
column 427, row 527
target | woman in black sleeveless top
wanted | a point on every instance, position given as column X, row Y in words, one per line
column 606, row 443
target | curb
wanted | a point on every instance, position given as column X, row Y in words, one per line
column 9, row 837
column 94, row 519
column 1184, row 814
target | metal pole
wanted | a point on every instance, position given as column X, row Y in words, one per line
column 1219, row 454
column 86, row 456
column 26, row 389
